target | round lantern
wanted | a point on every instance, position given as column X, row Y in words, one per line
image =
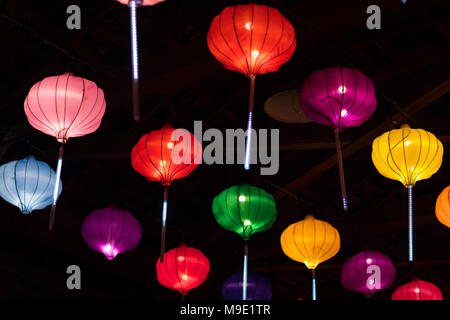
column 28, row 184
column 367, row 272
column 182, row 269
column 339, row 98
column 251, row 39
column 64, row 106
column 310, row 241
column 417, row 290
column 443, row 207
column 284, row 106
column 244, row 209
column 258, row 287
column 166, row 155
column 111, row 231
column 407, row 155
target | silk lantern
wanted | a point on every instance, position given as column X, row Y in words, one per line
column 166, row 155
column 407, row 155
column 284, row 106
column 251, row 39
column 417, row 290
column 64, row 106
column 111, row 231
column 133, row 4
column 339, row 98
column 367, row 272
column 310, row 241
column 244, row 209
column 182, row 269
column 258, row 287
column 442, row 209
column 28, row 184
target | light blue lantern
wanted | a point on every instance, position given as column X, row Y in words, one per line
column 28, row 184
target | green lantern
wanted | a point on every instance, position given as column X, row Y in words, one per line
column 244, row 209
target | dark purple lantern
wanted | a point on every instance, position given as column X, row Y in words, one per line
column 111, row 231
column 258, row 287
column 368, row 272
column 339, row 98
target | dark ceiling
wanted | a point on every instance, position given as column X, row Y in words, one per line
column 408, row 60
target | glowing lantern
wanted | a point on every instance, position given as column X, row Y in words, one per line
column 166, row 155
column 28, row 184
column 367, row 272
column 339, row 98
column 443, row 207
column 64, row 106
column 134, row 48
column 310, row 241
column 251, row 39
column 258, row 287
column 183, row 269
column 244, row 209
column 111, row 231
column 407, row 155
column 417, row 290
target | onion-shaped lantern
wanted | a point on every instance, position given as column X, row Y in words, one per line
column 284, row 106
column 28, row 184
column 166, row 155
column 251, row 39
column 310, row 241
column 182, row 269
column 442, row 209
column 64, row 106
column 407, row 155
column 258, row 287
column 111, row 231
column 368, row 272
column 133, row 4
column 417, row 290
column 244, row 209
column 339, row 98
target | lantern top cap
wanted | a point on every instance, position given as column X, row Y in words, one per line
column 309, row 217
column 167, row 125
column 405, row 126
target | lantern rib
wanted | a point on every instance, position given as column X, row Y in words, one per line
column 319, row 254
column 161, row 176
column 363, row 103
column 42, row 111
column 33, row 201
column 185, row 154
column 24, row 185
column 259, row 64
column 56, row 100
column 332, row 110
column 216, row 47
column 293, row 43
column 175, row 257
column 65, row 134
column 401, row 175
column 197, row 253
column 17, row 190
column 238, row 40
column 79, row 125
column 251, row 38
column 354, row 73
column 294, row 233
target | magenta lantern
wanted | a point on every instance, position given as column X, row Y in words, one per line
column 111, row 231
column 339, row 98
column 367, row 272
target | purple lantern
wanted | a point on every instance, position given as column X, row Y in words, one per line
column 367, row 272
column 339, row 98
column 258, row 287
column 111, row 231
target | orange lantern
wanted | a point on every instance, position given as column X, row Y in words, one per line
column 443, row 207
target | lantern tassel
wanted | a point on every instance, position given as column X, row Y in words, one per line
column 163, row 229
column 341, row 169
column 134, row 58
column 244, row 273
column 248, row 148
column 410, row 222
column 314, row 295
column 56, row 188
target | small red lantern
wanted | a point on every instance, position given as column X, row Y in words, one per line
column 417, row 290
column 183, row 269
column 165, row 155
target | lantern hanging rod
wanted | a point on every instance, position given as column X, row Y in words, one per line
column 163, row 228
column 244, row 273
column 248, row 148
column 410, row 224
column 314, row 293
column 134, row 59
column 56, row 188
column 341, row 169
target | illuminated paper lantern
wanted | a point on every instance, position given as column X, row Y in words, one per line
column 111, row 231
column 64, row 106
column 442, row 209
column 28, row 184
column 251, row 39
column 407, row 155
column 417, row 290
column 258, row 287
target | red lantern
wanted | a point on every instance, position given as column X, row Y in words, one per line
column 64, row 106
column 417, row 290
column 251, row 39
column 165, row 155
column 183, row 269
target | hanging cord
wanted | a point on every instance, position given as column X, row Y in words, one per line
column 244, row 273
column 341, row 169
column 56, row 188
column 314, row 295
column 163, row 229
column 410, row 223
column 134, row 59
column 248, row 148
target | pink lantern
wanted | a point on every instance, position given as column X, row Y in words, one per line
column 417, row 290
column 64, row 106
column 339, row 98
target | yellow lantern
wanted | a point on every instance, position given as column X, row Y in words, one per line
column 310, row 241
column 443, row 207
column 407, row 155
